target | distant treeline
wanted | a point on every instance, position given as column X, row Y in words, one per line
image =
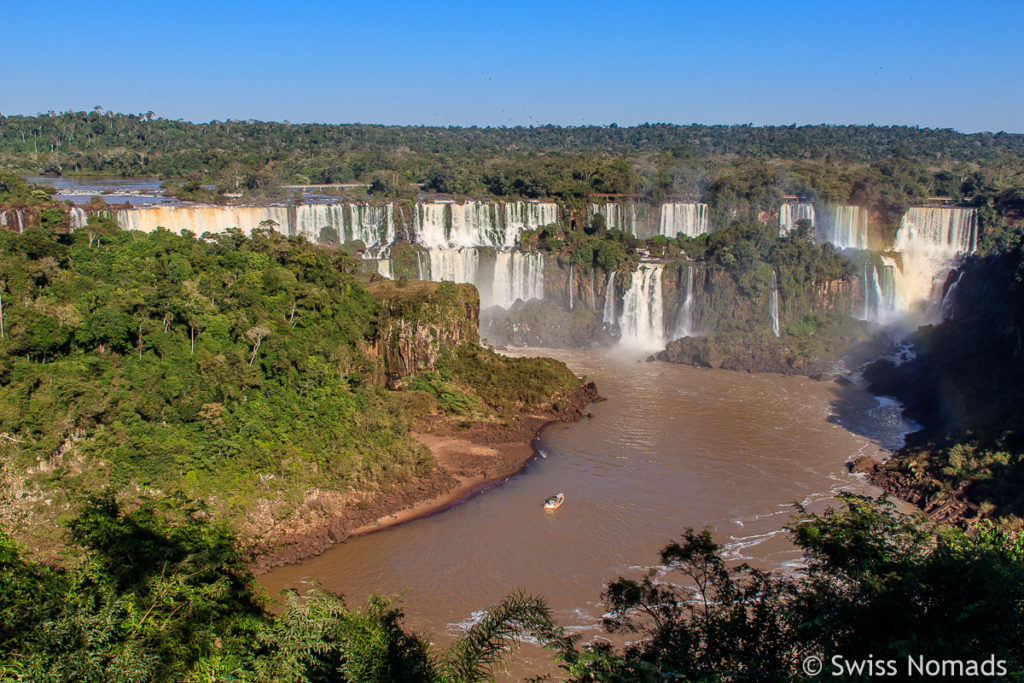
column 649, row 160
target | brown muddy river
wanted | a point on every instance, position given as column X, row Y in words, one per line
column 671, row 447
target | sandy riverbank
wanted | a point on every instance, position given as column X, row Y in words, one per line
column 466, row 461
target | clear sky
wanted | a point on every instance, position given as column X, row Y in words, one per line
column 931, row 64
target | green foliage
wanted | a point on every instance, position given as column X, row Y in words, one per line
column 163, row 596
column 878, row 585
column 450, row 400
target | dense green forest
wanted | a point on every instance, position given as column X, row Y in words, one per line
column 238, row 370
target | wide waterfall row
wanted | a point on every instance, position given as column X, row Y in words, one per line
column 943, row 231
column 372, row 225
column 616, row 216
column 789, row 214
column 515, row 276
column 449, row 225
column 928, row 241
column 440, row 225
column 689, row 219
column 642, row 323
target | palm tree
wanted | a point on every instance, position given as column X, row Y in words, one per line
column 485, row 648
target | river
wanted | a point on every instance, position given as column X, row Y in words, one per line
column 671, row 447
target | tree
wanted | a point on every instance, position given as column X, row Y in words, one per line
column 256, row 335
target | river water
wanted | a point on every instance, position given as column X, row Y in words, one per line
column 671, row 447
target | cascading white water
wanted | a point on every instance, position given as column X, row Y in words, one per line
column 384, row 268
column 3, row 219
column 882, row 286
column 521, row 216
column 77, row 218
column 789, row 214
column 201, row 219
column 928, row 240
column 373, row 225
column 474, row 224
column 775, row 305
column 449, row 225
column 689, row 219
column 845, row 226
column 609, row 301
column 615, row 215
column 949, row 300
column 518, row 276
column 454, row 265
column 571, row 287
column 430, row 224
column 21, row 222
column 684, row 319
column 642, row 322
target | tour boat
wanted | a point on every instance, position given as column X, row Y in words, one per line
column 554, row 502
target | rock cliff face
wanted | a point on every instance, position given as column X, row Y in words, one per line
column 420, row 321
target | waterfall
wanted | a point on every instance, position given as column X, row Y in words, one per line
column 430, row 226
column 775, row 305
column 846, row 227
column 642, row 320
column 454, row 265
column 518, row 276
column 450, row 225
column 928, row 240
column 614, row 216
column 609, row 301
column 882, row 287
column 21, row 222
column 870, row 288
column 384, row 268
column 3, row 219
column 789, row 214
column 689, row 219
column 474, row 224
column 684, row 319
column 949, row 300
column 201, row 219
column 570, row 286
column 593, row 290
column 374, row 225
column 77, row 218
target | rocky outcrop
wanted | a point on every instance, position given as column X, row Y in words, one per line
column 418, row 322
column 752, row 354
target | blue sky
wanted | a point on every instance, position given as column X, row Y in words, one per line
column 938, row 64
